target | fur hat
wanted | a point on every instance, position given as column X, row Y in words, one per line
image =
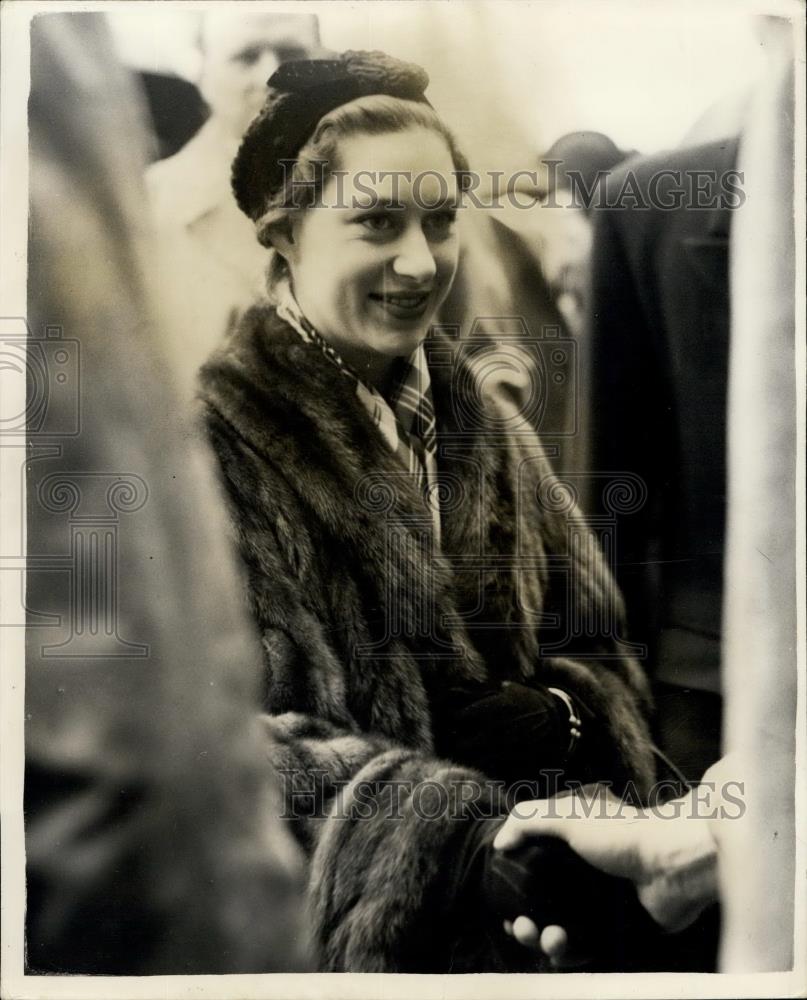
column 300, row 93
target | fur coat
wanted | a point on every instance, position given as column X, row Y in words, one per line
column 364, row 627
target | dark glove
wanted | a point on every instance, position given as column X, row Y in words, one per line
column 547, row 882
column 509, row 733
column 479, row 941
column 514, row 733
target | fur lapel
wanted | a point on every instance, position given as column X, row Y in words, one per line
column 287, row 401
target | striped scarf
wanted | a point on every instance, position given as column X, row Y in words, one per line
column 406, row 420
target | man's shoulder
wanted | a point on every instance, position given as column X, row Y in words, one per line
column 717, row 155
column 651, row 182
column 657, row 200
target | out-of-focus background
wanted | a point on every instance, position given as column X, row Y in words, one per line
column 513, row 77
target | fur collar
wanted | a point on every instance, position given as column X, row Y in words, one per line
column 288, row 402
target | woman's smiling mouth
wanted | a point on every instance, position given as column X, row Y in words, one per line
column 403, row 305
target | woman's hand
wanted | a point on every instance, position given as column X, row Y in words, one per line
column 670, row 856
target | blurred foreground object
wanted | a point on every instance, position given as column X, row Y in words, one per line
column 759, row 659
column 152, row 833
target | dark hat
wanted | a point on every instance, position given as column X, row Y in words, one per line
column 585, row 153
column 301, row 92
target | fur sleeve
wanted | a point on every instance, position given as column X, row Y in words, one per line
column 383, row 827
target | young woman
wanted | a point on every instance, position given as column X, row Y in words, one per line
column 434, row 615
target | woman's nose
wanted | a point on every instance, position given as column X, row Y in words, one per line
column 414, row 259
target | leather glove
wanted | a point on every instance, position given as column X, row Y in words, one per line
column 509, row 733
column 548, row 882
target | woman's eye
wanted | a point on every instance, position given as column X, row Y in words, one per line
column 377, row 223
column 440, row 223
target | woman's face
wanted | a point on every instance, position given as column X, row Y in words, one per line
column 373, row 262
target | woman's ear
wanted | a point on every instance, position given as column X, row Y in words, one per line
column 278, row 235
column 283, row 238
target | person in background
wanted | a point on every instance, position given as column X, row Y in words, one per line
column 721, row 577
column 211, row 265
column 570, row 173
column 658, row 337
column 690, row 852
column 499, row 295
column 571, row 177
column 654, row 369
column 522, row 279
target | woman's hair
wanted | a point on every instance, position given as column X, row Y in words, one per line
column 377, row 114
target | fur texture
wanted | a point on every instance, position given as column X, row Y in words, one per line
column 336, row 544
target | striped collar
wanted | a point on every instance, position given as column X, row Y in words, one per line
column 405, row 417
